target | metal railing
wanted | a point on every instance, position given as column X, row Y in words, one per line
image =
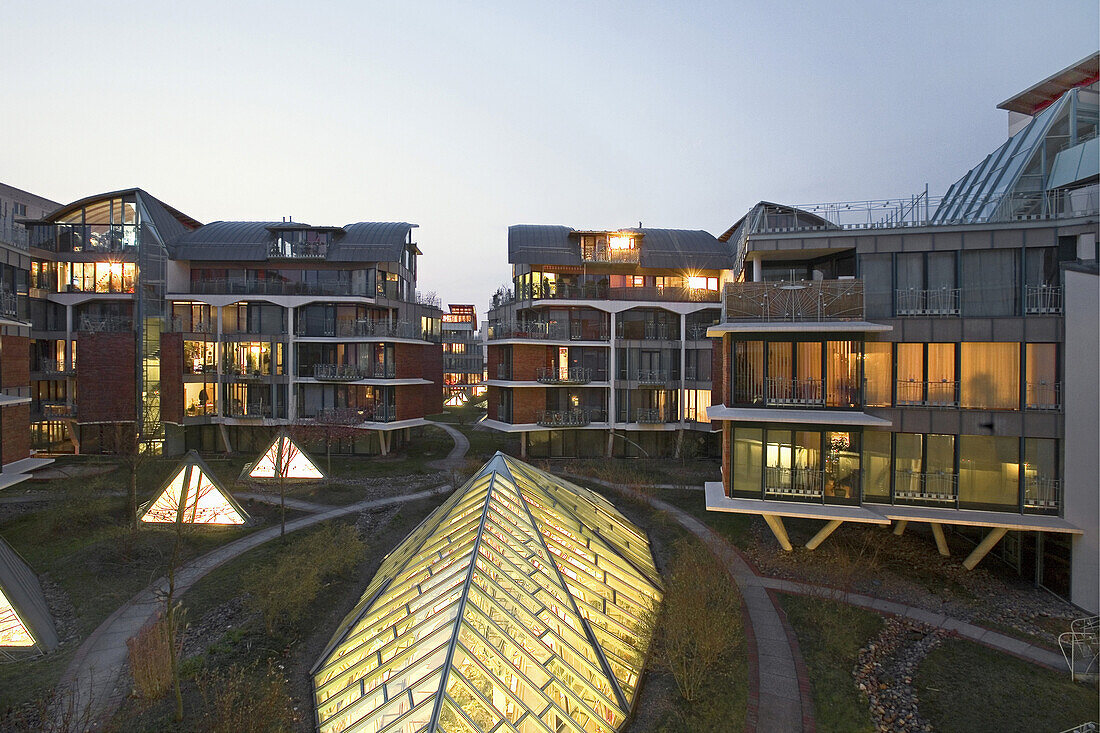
column 1043, row 299
column 560, row 375
column 233, row 286
column 352, row 372
column 53, row 366
column 655, row 377
column 937, row 487
column 9, row 304
column 650, row 416
column 1043, row 395
column 647, row 331
column 462, row 363
column 602, row 291
column 551, row 331
column 800, row 483
column 941, row 302
column 697, row 333
column 243, row 373
column 912, row 393
column 99, row 324
column 563, row 418
column 609, row 255
column 57, row 409
column 1081, row 649
column 1042, row 493
column 355, row 415
column 366, row 327
column 809, row 300
column 298, row 251
column 257, row 410
column 782, row 391
column 176, row 324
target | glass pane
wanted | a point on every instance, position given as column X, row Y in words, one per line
column 1043, row 390
column 910, row 366
column 842, row 467
column 876, row 466
column 989, row 282
column 990, row 375
column 747, row 460
column 989, row 471
column 748, row 369
column 878, row 373
column 842, row 360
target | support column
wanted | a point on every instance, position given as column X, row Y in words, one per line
column 290, row 361
column 612, row 412
column 776, row 523
column 383, row 442
column 984, row 547
column 941, row 540
column 523, row 445
column 610, row 441
column 823, row 533
column 219, row 369
column 225, row 437
column 899, row 526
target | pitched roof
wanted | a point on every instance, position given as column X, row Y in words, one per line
column 251, row 241
column 544, row 244
column 19, row 586
column 519, row 598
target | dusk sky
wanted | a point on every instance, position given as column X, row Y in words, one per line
column 467, row 117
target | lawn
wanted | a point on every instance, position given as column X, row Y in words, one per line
column 830, row 635
column 966, row 687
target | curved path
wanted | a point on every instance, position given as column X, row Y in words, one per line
column 454, row 458
column 90, row 683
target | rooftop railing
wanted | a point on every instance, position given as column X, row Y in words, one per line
column 811, row 300
column 559, row 375
column 563, row 418
column 1043, row 299
column 298, row 251
column 609, row 255
column 937, row 302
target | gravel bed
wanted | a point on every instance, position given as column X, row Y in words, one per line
column 884, row 673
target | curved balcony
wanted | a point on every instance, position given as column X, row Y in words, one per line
column 563, row 418
column 558, row 375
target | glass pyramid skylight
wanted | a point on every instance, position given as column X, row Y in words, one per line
column 194, row 496
column 284, row 459
column 515, row 606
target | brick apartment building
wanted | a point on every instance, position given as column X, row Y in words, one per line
column 212, row 335
column 463, row 356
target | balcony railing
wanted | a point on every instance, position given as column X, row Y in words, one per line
column 813, row 300
column 651, row 377
column 609, row 255
column 1042, row 493
column 243, row 374
column 550, row 331
column 52, row 367
column 927, row 394
column 559, row 375
column 563, row 418
column 782, row 391
column 365, row 328
column 1043, row 396
column 233, row 286
column 650, row 416
column 1043, row 299
column 352, row 372
column 462, row 363
column 934, row 487
column 298, row 251
column 941, row 302
column 697, row 333
column 186, row 325
column 105, row 324
column 256, row 410
column 601, row 291
column 356, row 415
column 648, row 331
column 793, row 483
column 9, row 304
column 57, row 409
column 504, row 371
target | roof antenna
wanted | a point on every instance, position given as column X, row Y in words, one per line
column 639, row 223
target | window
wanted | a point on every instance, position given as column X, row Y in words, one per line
column 990, row 375
column 1043, row 389
column 747, row 459
column 695, row 407
column 200, row 398
column 990, row 282
column 989, row 471
column 876, row 466
column 878, row 370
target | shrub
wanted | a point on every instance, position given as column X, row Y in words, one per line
column 699, row 619
column 246, row 700
column 150, row 657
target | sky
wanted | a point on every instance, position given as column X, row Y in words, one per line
column 467, row 117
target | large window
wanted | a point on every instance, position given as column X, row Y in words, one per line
column 989, row 471
column 696, row 403
column 990, row 282
column 1043, row 391
column 200, row 398
column 878, row 370
column 990, row 375
column 199, row 357
column 876, row 466
column 798, row 373
column 747, row 459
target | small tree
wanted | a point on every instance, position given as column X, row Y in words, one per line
column 131, row 449
column 699, row 619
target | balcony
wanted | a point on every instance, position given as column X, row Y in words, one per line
column 793, row 483
column 940, row 488
column 941, row 302
column 601, row 291
column 1043, row 396
column 818, row 300
column 105, row 324
column 1042, row 494
column 238, row 373
column 647, row 332
column 9, row 304
column 365, row 328
column 54, row 410
column 52, row 368
column 782, row 391
column 186, row 325
column 927, row 394
column 651, row 377
column 298, row 251
column 609, row 255
column 563, row 418
column 548, row 331
column 252, row 410
column 351, row 416
column 650, row 416
column 559, row 375
column 1043, row 299
column 241, row 286
column 353, row 372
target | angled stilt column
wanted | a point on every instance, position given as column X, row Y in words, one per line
column 822, row 533
column 383, row 442
column 225, row 437
column 984, row 547
column 776, row 523
column 610, row 442
column 941, row 540
column 899, row 527
column 523, row 445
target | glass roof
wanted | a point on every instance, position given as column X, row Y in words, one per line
column 515, row 606
column 284, row 459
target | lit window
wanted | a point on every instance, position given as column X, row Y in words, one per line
column 620, row 241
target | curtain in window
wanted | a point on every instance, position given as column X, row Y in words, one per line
column 990, row 282
column 988, row 471
column 941, row 374
column 878, row 371
column 876, row 466
column 1042, row 376
column 747, row 460
column 842, row 384
column 941, row 270
column 990, row 375
column 748, row 370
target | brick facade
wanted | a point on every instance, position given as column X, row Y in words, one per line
column 171, row 377
column 432, row 368
column 105, row 377
column 526, row 360
column 409, row 359
column 15, row 434
column 526, row 403
column 719, row 370
column 15, row 362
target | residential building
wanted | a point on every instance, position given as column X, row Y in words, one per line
column 600, row 346
column 934, row 363
column 15, row 334
column 211, row 335
column 463, row 356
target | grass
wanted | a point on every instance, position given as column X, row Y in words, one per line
column 830, row 635
column 963, row 686
column 733, row 527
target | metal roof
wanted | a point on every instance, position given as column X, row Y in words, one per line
column 544, row 244
column 251, row 241
column 20, row 586
column 1038, row 96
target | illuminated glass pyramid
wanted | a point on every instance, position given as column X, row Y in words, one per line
column 517, row 605
column 194, row 496
column 284, row 459
column 25, row 620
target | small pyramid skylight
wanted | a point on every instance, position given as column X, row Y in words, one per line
column 193, row 496
column 284, row 459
